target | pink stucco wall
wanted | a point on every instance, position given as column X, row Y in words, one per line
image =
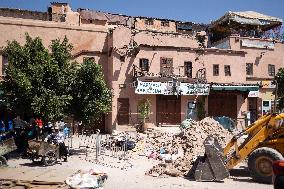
column 261, row 57
column 15, row 29
column 108, row 45
column 140, row 25
column 235, row 61
column 82, row 39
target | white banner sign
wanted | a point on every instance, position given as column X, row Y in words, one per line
column 253, row 94
column 167, row 88
column 194, row 89
column 149, row 88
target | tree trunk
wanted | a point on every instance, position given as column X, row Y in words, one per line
column 144, row 126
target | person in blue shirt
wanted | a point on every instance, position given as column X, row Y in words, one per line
column 10, row 124
column 2, row 126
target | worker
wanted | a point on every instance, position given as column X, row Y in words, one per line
column 57, row 137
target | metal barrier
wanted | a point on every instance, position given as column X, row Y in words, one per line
column 102, row 149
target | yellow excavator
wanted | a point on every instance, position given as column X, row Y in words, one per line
column 263, row 145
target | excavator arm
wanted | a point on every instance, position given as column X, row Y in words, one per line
column 266, row 131
column 257, row 133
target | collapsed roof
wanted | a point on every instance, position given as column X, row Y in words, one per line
column 110, row 18
column 245, row 24
column 249, row 18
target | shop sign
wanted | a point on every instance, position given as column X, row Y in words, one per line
column 194, row 89
column 267, row 85
column 166, row 88
column 149, row 88
column 258, row 44
column 253, row 94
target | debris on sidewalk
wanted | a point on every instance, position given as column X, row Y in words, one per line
column 179, row 152
column 87, row 179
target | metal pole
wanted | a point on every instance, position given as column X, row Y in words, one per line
column 97, row 144
column 276, row 90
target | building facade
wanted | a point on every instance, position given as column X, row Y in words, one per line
column 163, row 61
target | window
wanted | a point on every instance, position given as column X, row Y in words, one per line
column 122, row 58
column 265, row 103
column 144, row 64
column 4, row 64
column 227, row 70
column 188, row 69
column 249, row 68
column 166, row 66
column 215, row 69
column 165, row 23
column 271, row 70
column 149, row 22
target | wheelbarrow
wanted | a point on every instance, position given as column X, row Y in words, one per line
column 43, row 152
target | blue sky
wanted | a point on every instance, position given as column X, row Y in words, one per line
column 201, row 11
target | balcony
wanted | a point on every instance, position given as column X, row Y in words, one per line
column 164, row 75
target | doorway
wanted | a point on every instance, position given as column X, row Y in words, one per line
column 168, row 110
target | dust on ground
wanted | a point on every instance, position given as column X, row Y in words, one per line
column 129, row 173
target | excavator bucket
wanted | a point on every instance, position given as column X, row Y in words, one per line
column 211, row 167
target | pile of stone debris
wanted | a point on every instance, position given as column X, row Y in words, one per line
column 179, row 152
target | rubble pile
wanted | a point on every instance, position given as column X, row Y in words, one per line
column 179, row 152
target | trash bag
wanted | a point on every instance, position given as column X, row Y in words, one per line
column 186, row 123
column 88, row 179
column 227, row 122
column 130, row 145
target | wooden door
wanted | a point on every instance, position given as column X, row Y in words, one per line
column 123, row 111
column 168, row 110
column 252, row 108
column 222, row 105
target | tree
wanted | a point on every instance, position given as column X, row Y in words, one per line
column 37, row 81
column 91, row 96
column 279, row 78
column 144, row 109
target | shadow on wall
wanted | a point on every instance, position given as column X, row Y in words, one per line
column 127, row 78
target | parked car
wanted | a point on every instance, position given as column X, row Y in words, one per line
column 278, row 174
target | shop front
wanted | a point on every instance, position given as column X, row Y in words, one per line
column 174, row 101
column 232, row 101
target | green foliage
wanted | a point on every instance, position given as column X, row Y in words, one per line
column 91, row 96
column 280, row 92
column 144, row 108
column 39, row 82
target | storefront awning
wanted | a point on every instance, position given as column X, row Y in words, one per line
column 242, row 88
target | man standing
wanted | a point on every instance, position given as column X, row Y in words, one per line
column 39, row 122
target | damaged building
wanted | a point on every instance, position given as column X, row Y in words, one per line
column 185, row 69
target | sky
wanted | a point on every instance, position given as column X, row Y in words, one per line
column 199, row 11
